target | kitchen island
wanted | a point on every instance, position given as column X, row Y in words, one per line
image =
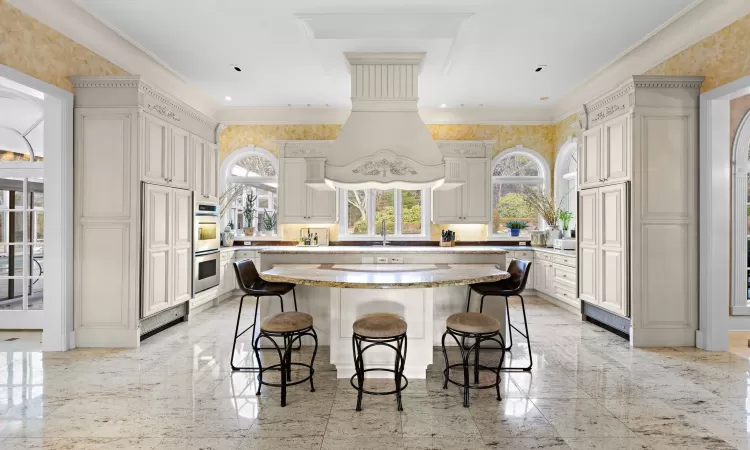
column 356, row 289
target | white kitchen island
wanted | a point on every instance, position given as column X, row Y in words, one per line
column 416, row 291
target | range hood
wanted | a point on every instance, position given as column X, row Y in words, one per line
column 384, row 144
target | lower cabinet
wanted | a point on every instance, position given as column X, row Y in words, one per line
column 555, row 276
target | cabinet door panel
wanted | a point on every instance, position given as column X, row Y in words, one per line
column 616, row 149
column 199, row 163
column 612, row 250
column 588, row 243
column 157, row 276
column 181, row 159
column 321, row 206
column 181, row 246
column 210, row 174
column 292, row 191
column 447, row 205
column 590, row 163
column 476, row 207
column 155, row 152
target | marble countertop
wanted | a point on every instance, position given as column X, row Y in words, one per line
column 540, row 249
column 345, row 249
column 384, row 276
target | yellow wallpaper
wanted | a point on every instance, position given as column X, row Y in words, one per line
column 35, row 49
column 722, row 57
column 236, row 137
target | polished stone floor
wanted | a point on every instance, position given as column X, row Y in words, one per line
column 588, row 390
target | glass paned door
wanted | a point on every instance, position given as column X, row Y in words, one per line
column 21, row 248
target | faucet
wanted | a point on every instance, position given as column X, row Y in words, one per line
column 382, row 231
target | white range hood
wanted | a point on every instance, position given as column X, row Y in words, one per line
column 384, row 144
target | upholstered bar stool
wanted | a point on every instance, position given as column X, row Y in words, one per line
column 379, row 330
column 289, row 326
column 509, row 287
column 481, row 328
column 254, row 286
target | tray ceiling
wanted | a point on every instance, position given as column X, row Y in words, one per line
column 478, row 53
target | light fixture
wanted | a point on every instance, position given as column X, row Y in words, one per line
column 237, row 68
column 443, row 105
column 543, row 98
column 228, row 98
column 540, row 67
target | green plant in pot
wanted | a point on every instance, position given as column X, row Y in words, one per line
column 515, row 227
column 269, row 221
column 565, row 218
column 249, row 213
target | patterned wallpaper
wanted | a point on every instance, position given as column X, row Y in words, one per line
column 738, row 108
column 35, row 49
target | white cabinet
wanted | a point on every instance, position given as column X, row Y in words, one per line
column 605, row 153
column 299, row 203
column 603, row 247
column 206, row 161
column 166, row 154
column 526, row 255
column 167, row 253
column 469, row 203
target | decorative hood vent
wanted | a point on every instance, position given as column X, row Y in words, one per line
column 384, row 144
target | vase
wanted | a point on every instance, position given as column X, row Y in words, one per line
column 248, row 231
column 229, row 239
column 552, row 234
column 515, row 232
column 566, row 234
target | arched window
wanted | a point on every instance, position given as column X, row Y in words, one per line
column 741, row 223
column 514, row 171
column 566, row 177
column 251, row 173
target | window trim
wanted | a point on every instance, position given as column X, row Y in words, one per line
column 569, row 148
column 740, row 305
column 542, row 179
column 372, row 227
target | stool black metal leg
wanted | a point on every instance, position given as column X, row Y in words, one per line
column 237, row 334
column 525, row 335
column 294, row 295
column 466, row 378
column 510, row 331
column 312, row 360
column 468, row 300
column 481, row 304
column 397, row 375
column 359, row 367
column 477, row 345
column 445, row 357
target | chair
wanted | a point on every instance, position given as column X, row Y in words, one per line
column 379, row 330
column 254, row 286
column 510, row 287
column 481, row 328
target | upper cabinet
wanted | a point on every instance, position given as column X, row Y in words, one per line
column 470, row 166
column 206, row 159
column 298, row 202
column 605, row 153
column 166, row 154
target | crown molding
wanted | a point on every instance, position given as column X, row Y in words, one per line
column 272, row 115
column 698, row 21
column 69, row 19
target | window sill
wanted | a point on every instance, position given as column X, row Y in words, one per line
column 258, row 238
column 500, row 237
column 387, row 238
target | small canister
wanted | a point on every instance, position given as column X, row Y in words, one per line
column 538, row 238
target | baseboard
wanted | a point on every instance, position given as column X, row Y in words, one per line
column 556, row 302
column 71, row 340
column 108, row 337
column 662, row 337
column 700, row 341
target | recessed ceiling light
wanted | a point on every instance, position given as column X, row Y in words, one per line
column 228, row 98
column 237, row 68
column 540, row 67
column 443, row 105
column 543, row 98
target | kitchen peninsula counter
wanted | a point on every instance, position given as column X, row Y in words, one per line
column 371, row 249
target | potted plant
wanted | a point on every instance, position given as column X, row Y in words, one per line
column 515, row 227
column 546, row 207
column 565, row 218
column 269, row 221
column 249, row 213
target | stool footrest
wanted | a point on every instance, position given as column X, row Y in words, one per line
column 403, row 377
column 277, row 367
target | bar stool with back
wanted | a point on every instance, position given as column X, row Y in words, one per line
column 510, row 287
column 253, row 285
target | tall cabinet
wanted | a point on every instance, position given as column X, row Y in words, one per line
column 135, row 173
column 637, row 210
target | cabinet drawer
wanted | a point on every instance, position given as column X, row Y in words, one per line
column 527, row 255
column 245, row 254
column 565, row 260
column 565, row 294
column 226, row 256
column 564, row 275
column 543, row 256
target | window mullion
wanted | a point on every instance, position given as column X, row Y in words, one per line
column 370, row 196
column 397, row 203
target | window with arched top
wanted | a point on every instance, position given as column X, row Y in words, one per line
column 250, row 197
column 515, row 171
column 566, row 178
column 740, row 291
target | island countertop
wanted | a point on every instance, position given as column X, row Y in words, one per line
column 384, row 276
column 346, row 249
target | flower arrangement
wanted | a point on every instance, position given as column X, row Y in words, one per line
column 515, row 226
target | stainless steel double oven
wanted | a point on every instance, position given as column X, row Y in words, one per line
column 207, row 244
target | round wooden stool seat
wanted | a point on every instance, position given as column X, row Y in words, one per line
column 473, row 322
column 379, row 325
column 287, row 322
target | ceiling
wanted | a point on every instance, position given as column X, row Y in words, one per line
column 481, row 52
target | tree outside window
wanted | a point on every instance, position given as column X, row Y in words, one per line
column 511, row 176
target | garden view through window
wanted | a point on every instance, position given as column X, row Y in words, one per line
column 367, row 208
column 513, row 175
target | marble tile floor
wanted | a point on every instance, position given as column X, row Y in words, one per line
column 588, row 390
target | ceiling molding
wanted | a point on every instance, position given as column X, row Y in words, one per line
column 69, row 19
column 700, row 20
column 270, row 115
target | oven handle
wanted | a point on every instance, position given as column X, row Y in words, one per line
column 206, row 252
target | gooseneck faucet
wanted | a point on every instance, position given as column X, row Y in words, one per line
column 382, row 231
